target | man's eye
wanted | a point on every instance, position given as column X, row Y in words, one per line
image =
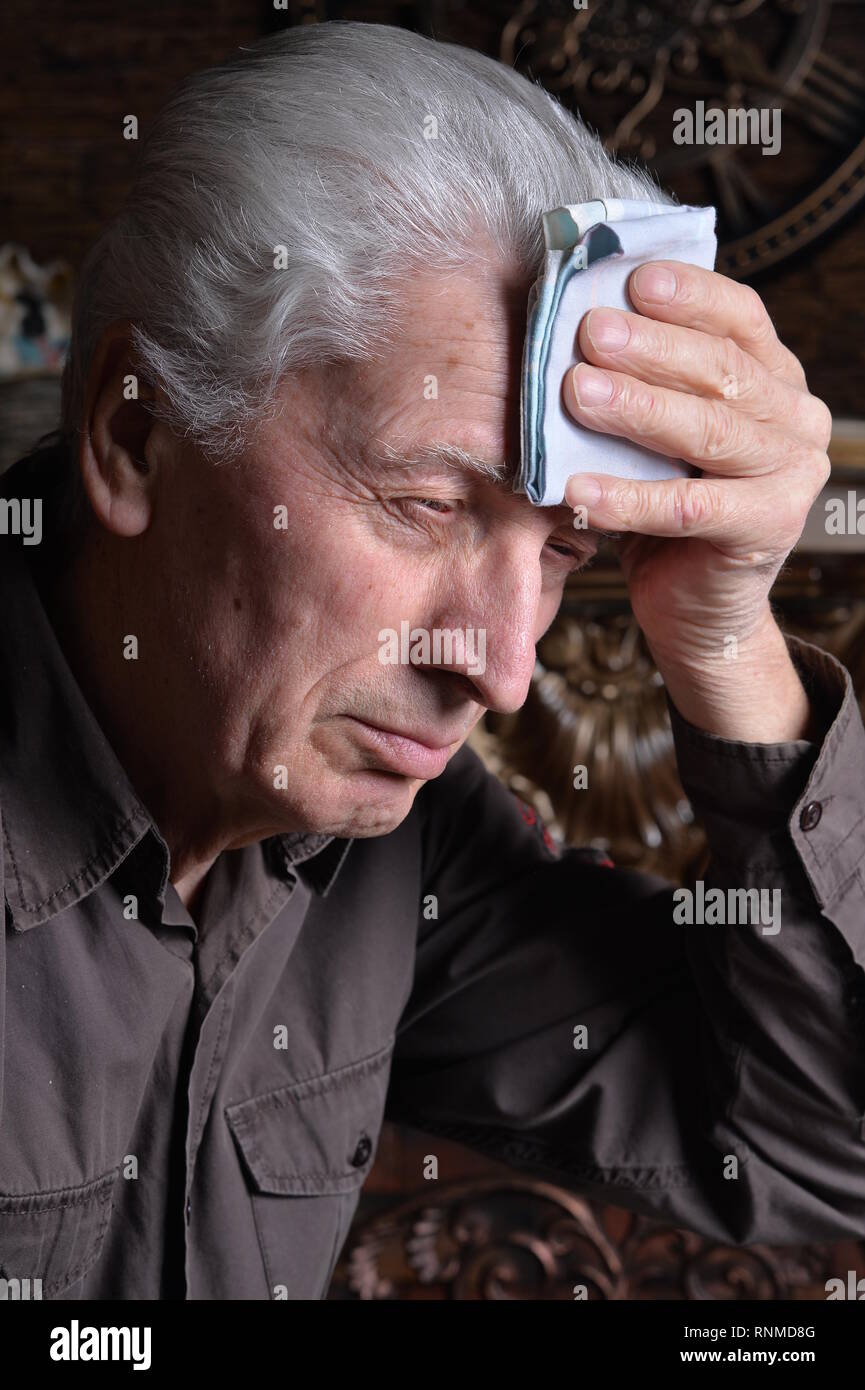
column 431, row 504
column 576, row 558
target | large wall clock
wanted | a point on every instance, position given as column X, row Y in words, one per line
column 628, row 67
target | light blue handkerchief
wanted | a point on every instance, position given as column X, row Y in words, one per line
column 592, row 248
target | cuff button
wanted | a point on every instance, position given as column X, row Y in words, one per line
column 810, row 815
column 362, row 1152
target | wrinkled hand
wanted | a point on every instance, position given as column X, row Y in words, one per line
column 700, row 374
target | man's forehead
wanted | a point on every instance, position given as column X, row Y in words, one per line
column 467, row 300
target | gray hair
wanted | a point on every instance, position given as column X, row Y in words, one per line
column 322, row 141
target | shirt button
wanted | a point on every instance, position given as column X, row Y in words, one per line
column 188, row 1211
column 362, row 1152
column 810, row 815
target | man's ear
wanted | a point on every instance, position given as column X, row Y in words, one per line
column 118, row 478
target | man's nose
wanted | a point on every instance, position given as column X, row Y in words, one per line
column 495, row 609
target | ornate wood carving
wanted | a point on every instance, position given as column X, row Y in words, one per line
column 524, row 1239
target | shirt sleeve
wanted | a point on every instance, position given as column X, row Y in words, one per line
column 700, row 1060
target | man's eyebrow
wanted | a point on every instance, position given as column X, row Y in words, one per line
column 450, row 455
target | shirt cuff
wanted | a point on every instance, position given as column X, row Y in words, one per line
column 759, row 800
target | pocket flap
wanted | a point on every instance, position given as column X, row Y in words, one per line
column 315, row 1136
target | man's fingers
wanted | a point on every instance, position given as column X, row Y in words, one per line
column 748, row 518
column 689, row 360
column 679, row 293
column 706, row 433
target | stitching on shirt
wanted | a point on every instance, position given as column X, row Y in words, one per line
column 318, row 1085
column 242, row 936
column 342, row 1175
column 259, row 1236
column 8, row 845
column 206, row 1095
column 827, row 906
column 735, row 754
column 79, row 1196
column 831, row 850
column 96, row 859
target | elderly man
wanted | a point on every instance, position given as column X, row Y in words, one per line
column 258, row 895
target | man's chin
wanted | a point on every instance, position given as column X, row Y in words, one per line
column 361, row 804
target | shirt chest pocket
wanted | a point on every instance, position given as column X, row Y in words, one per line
column 52, row 1237
column 307, row 1149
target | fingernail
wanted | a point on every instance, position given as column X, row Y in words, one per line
column 607, row 329
column 655, row 283
column 582, row 489
column 591, row 387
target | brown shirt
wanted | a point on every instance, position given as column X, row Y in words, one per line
column 190, row 1110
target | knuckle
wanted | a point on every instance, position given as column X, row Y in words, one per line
column 822, row 417
column 758, row 325
column 691, row 503
column 792, row 506
column 629, row 501
column 733, row 370
column 793, row 369
column 825, row 469
column 718, row 431
column 663, row 346
column 648, row 407
column 820, row 470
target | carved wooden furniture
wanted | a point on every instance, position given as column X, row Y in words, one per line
column 519, row 1238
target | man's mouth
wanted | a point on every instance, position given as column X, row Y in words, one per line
column 419, row 753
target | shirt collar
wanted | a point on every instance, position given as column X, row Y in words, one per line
column 69, row 813
column 317, row 858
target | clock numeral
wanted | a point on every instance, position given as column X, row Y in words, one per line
column 830, row 100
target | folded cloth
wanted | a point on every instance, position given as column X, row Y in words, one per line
column 591, row 250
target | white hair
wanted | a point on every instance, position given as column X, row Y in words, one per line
column 320, row 140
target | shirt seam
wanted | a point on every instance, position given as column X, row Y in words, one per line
column 79, row 1195
column 832, row 848
column 373, row 1061
column 246, row 932
column 206, row 1094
